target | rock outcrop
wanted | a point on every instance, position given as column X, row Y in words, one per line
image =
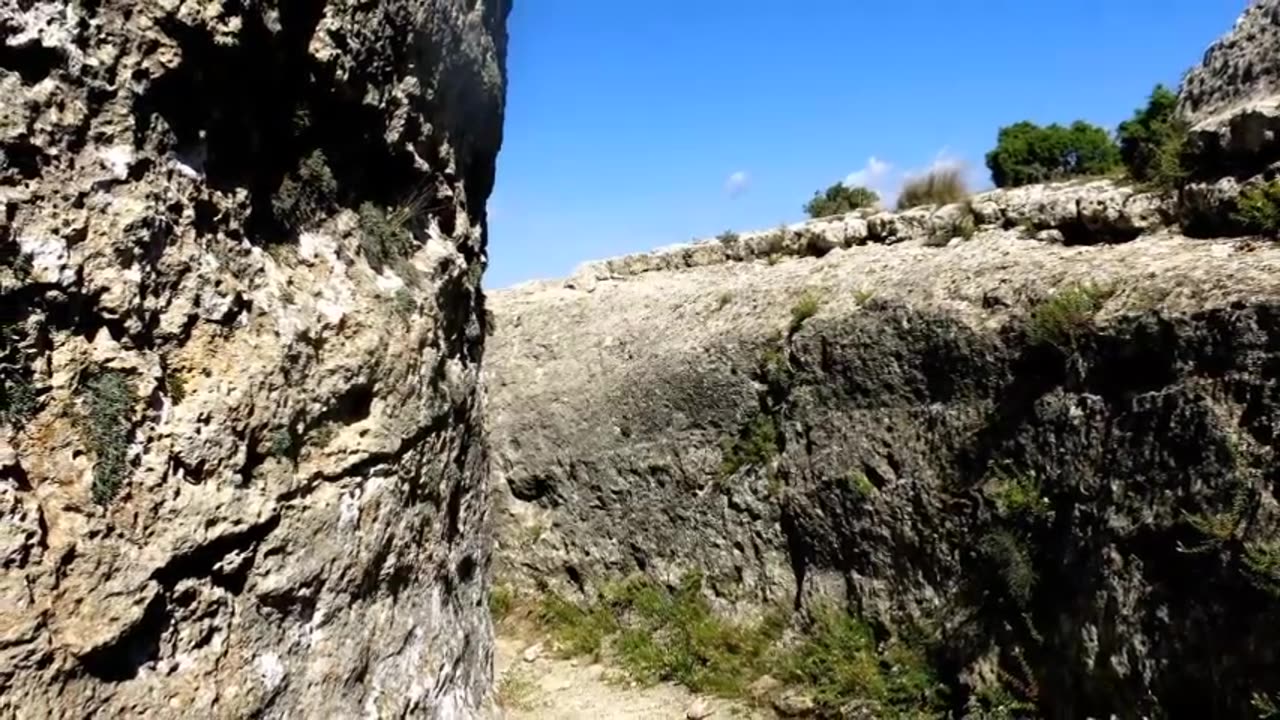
column 1039, row 429
column 242, row 469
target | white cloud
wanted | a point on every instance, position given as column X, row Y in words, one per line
column 872, row 176
column 737, row 183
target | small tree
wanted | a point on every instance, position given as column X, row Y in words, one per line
column 1152, row 142
column 1027, row 153
column 839, row 199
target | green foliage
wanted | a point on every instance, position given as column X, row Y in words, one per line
column 1262, row 560
column 1062, row 318
column 1152, row 142
column 840, row 199
column 755, row 446
column 384, row 236
column 1017, row 497
column 1007, row 555
column 307, row 194
column 806, row 307
column 1258, row 209
column 404, row 303
column 515, row 690
column 1028, row 153
column 176, row 386
column 576, row 630
column 728, row 237
column 838, row 661
column 17, row 398
column 997, row 703
column 1267, row 706
column 937, row 187
column 110, row 400
column 1219, row 527
column 502, row 601
column 858, row 485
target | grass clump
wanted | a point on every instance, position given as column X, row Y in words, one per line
column 384, row 235
column 515, row 690
column 1063, row 317
column 280, row 443
column 755, row 446
column 936, row 187
column 1258, row 209
column 806, row 307
column 858, row 485
column 838, row 660
column 502, row 600
column 110, row 400
column 306, row 195
column 840, row 199
column 1262, row 560
column 1017, row 496
column 17, row 398
column 577, row 630
column 1007, row 556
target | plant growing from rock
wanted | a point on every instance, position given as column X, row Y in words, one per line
column 1062, row 318
column 806, row 307
column 384, row 236
column 840, row 199
column 1007, row 556
column 1017, row 496
column 109, row 402
column 1258, row 209
column 1262, row 560
column 1153, row 141
column 936, row 187
column 306, row 195
column 755, row 446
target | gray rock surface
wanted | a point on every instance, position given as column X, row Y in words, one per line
column 675, row 415
column 242, row 472
column 1232, row 99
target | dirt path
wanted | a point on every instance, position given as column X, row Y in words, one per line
column 551, row 688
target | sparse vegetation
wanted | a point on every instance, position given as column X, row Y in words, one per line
column 1221, row 526
column 280, row 443
column 404, row 303
column 1027, row 153
column 755, row 446
column 1258, row 209
column 502, row 601
column 17, row 397
column 942, row 186
column 1007, row 556
column 728, row 237
column 858, row 485
column 306, row 195
column 1262, row 559
column 840, row 199
column 109, row 403
column 806, row 307
column 384, row 236
column 1152, row 141
column 176, row 386
column 515, row 689
column 1063, row 317
column 1017, row 496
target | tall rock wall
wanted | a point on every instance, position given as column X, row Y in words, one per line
column 242, row 469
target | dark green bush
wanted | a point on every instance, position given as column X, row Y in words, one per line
column 384, row 236
column 306, row 195
column 110, row 400
column 756, row 445
column 1152, row 142
column 1007, row 555
column 942, row 186
column 1258, row 209
column 840, row 199
column 1061, row 319
column 1028, row 153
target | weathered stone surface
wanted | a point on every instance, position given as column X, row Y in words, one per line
column 1232, row 99
column 241, row 465
column 922, row 381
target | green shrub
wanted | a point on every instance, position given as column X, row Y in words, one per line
column 858, row 485
column 1028, row 153
column 502, row 601
column 1262, row 560
column 806, row 307
column 1152, row 142
column 1017, row 496
column 755, row 446
column 17, row 398
column 576, row 630
column 384, row 236
column 1007, row 556
column 1258, row 209
column 306, row 195
column 840, row 199
column 280, row 443
column 110, row 400
column 176, row 386
column 1067, row 314
column 936, row 187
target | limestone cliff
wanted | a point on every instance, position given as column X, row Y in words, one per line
column 242, row 471
column 1041, row 429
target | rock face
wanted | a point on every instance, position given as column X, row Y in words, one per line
column 242, row 472
column 1232, row 99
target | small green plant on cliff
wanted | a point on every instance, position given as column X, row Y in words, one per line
column 502, row 601
column 384, row 236
column 515, row 690
column 942, row 186
column 840, row 199
column 1258, row 209
column 1006, row 554
column 857, row 484
column 806, row 307
column 755, row 446
column 576, row 630
column 1262, row 560
column 1062, row 318
column 307, row 194
column 1017, row 496
column 109, row 403
column 17, row 398
column 1217, row 527
column 280, row 443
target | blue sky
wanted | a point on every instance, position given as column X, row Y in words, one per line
column 633, row 124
